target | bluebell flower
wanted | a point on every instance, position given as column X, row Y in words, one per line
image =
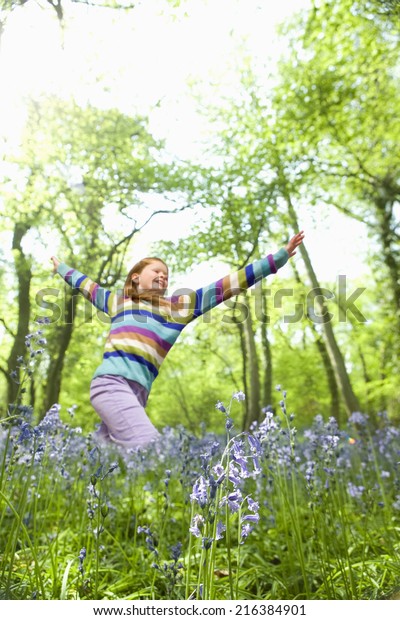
column 255, row 445
column 213, row 486
column 252, row 518
column 228, row 423
column 256, row 466
column 253, row 506
column 220, row 407
column 176, row 551
column 199, row 493
column 355, row 491
column 196, row 525
column 233, row 500
column 149, row 540
column 142, row 529
column 207, row 542
column 239, row 396
column 205, row 461
column 220, row 473
column 214, row 448
column 246, row 530
column 220, row 530
column 112, row 467
column 358, row 418
column 234, row 474
column 26, row 432
column 151, row 544
column 81, row 557
column 71, row 410
column 310, row 471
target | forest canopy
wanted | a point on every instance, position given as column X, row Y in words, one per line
column 322, row 138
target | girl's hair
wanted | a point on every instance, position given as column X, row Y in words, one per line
column 131, row 288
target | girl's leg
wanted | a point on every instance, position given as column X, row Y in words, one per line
column 122, row 410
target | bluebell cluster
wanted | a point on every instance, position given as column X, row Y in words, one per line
column 222, row 480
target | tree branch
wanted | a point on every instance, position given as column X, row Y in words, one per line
column 8, row 329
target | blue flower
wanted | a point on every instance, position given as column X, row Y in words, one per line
column 220, row 407
column 252, row 518
column 355, row 491
column 254, row 444
column 213, row 486
column 207, row 542
column 246, row 530
column 199, row 493
column 143, row 530
column 253, row 506
column 358, row 418
column 81, row 557
column 234, row 474
column 26, row 432
column 220, row 473
column 196, row 525
column 233, row 500
column 239, row 396
column 176, row 551
column 228, row 423
column 220, row 530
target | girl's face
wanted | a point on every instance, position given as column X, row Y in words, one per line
column 153, row 277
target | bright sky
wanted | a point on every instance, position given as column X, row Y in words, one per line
column 142, row 61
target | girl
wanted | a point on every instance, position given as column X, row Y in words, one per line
column 144, row 326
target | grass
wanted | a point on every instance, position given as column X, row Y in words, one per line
column 77, row 522
column 274, row 514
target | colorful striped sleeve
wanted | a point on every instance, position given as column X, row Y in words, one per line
column 206, row 298
column 100, row 297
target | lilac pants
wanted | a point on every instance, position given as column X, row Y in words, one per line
column 120, row 404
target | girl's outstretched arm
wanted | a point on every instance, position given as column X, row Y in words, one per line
column 100, row 297
column 206, row 298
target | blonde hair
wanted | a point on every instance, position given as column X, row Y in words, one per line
column 131, row 288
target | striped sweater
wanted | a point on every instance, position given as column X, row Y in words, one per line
column 141, row 334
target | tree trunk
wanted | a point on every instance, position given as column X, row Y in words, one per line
column 384, row 202
column 244, row 371
column 266, row 346
column 326, row 361
column 24, row 277
column 350, row 400
column 254, row 394
column 64, row 335
column 330, row 375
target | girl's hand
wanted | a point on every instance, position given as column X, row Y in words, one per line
column 294, row 243
column 56, row 262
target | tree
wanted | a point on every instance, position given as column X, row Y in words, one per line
column 338, row 100
column 80, row 167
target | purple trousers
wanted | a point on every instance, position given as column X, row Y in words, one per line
column 120, row 404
